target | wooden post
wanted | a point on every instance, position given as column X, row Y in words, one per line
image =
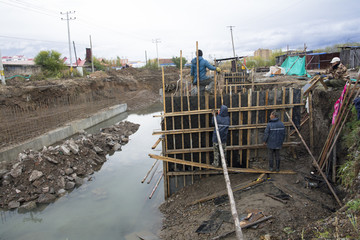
column 215, row 88
column 156, row 186
column 165, row 164
column 181, row 81
column 149, row 171
column 252, row 79
column 311, row 121
column 234, row 213
column 314, row 161
column 334, row 165
column 197, row 74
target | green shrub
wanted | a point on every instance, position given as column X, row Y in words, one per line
column 348, row 171
column 176, row 60
column 50, row 62
column 151, row 64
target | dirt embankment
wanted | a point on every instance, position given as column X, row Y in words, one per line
column 138, row 87
column 31, row 108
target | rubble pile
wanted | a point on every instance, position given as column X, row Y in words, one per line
column 40, row 177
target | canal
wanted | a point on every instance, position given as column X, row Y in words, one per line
column 113, row 204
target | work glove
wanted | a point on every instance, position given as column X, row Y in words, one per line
column 218, row 69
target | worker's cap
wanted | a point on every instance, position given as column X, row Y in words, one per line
column 335, row 59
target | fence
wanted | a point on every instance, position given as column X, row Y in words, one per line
column 22, row 123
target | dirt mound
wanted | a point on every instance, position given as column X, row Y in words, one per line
column 39, row 177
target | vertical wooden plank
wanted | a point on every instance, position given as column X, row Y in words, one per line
column 311, row 121
column 240, row 131
column 226, row 86
column 181, row 81
column 252, row 78
column 197, row 76
column 165, row 164
column 266, row 103
column 173, row 135
column 248, row 131
column 231, row 135
column 257, row 122
column 191, row 140
column 283, row 103
column 207, row 134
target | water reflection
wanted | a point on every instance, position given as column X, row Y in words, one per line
column 114, row 204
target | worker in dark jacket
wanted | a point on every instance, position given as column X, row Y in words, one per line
column 205, row 81
column 223, row 122
column 274, row 137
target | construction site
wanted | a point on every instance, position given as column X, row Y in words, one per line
column 303, row 200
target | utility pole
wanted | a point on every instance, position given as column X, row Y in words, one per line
column 2, row 75
column 156, row 41
column 145, row 57
column 68, row 27
column 92, row 59
column 232, row 39
column 76, row 59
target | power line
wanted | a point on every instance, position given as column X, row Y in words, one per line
column 37, row 40
column 22, row 6
column 93, row 25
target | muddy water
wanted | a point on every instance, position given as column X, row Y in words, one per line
column 112, row 205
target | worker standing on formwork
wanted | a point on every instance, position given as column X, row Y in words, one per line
column 223, row 121
column 337, row 74
column 206, row 82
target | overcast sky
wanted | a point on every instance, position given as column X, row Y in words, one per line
column 129, row 28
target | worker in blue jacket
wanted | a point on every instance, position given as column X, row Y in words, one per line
column 274, row 137
column 205, row 81
column 223, row 122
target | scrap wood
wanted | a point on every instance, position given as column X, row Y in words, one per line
column 244, row 226
column 256, row 222
column 156, row 143
column 312, row 83
column 275, row 198
column 239, row 187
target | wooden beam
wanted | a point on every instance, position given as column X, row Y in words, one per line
column 228, row 148
column 191, row 173
column 206, row 166
column 223, row 192
column 156, row 143
column 211, row 129
column 242, row 109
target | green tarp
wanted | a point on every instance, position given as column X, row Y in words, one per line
column 295, row 64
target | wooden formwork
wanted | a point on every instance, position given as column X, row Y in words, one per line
column 234, row 80
column 187, row 131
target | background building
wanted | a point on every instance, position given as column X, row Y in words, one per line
column 263, row 53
